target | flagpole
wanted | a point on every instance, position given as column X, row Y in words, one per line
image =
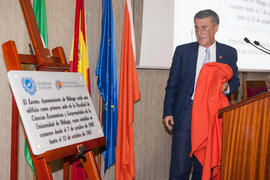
column 100, row 121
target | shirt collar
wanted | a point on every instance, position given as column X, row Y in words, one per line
column 212, row 47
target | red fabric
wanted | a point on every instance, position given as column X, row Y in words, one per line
column 129, row 93
column 77, row 64
column 78, row 172
column 206, row 127
column 253, row 91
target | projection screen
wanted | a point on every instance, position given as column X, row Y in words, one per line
column 167, row 24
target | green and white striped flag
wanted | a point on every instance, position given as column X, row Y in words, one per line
column 39, row 8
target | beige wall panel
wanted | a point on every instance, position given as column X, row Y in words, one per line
column 60, row 24
column 152, row 142
column 12, row 28
column 137, row 18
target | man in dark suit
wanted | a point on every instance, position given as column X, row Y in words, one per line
column 187, row 62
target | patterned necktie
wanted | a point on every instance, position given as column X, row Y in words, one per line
column 207, row 56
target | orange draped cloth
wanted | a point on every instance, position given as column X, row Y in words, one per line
column 206, row 126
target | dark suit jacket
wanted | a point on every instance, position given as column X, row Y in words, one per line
column 181, row 80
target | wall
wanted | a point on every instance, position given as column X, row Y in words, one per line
column 152, row 143
column 152, row 146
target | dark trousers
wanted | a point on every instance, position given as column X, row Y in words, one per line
column 181, row 163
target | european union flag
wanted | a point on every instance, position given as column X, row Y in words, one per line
column 107, row 82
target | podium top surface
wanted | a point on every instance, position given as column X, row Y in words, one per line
column 244, row 102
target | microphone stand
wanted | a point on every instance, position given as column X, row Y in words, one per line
column 258, row 44
column 247, row 41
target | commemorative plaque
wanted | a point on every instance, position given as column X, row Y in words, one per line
column 55, row 108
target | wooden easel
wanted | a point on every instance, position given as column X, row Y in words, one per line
column 45, row 62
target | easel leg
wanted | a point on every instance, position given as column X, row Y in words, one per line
column 14, row 141
column 90, row 166
column 43, row 169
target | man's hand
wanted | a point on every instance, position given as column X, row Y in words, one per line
column 168, row 122
column 225, row 87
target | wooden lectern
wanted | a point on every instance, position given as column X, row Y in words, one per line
column 246, row 139
column 44, row 62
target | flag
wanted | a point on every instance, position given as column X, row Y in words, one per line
column 39, row 8
column 129, row 93
column 107, row 82
column 27, row 156
column 79, row 62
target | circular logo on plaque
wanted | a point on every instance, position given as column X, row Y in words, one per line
column 29, row 85
column 58, row 84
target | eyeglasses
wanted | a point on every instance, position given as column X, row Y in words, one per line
column 202, row 29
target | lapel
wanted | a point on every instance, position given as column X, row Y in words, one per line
column 194, row 55
column 193, row 60
column 219, row 57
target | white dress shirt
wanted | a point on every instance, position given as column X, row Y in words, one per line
column 200, row 60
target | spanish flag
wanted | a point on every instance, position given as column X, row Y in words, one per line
column 129, row 93
column 79, row 61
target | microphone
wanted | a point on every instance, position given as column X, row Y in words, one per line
column 258, row 44
column 247, row 41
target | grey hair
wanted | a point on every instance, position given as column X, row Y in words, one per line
column 208, row 13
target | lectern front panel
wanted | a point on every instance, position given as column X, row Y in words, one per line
column 246, row 140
